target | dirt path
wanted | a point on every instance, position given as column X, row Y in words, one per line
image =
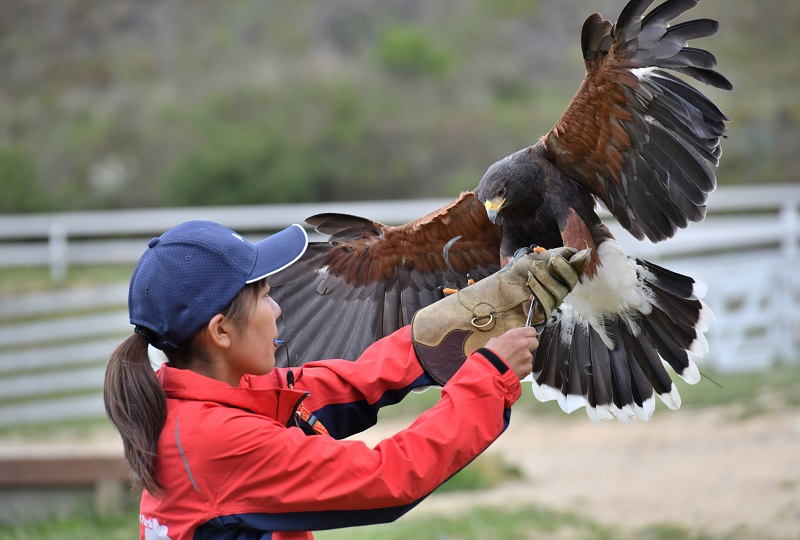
column 703, row 470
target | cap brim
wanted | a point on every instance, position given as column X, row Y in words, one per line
column 279, row 251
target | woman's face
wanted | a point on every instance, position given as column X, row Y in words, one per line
column 252, row 349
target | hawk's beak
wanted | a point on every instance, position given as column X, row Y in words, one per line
column 493, row 206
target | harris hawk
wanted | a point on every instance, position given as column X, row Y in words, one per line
column 636, row 137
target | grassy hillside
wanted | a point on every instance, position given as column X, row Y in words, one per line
column 132, row 103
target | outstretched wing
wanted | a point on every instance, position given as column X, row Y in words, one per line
column 369, row 279
column 636, row 136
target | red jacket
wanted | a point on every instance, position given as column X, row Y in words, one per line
column 231, row 468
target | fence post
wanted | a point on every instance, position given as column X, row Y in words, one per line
column 787, row 284
column 57, row 243
column 790, row 223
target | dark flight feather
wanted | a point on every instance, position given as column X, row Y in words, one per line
column 668, row 11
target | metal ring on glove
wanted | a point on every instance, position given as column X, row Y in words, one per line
column 475, row 318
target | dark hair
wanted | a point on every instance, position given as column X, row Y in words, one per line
column 136, row 403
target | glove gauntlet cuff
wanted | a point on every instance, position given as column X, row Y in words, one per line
column 446, row 332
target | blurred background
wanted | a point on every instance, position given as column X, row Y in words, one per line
column 146, row 103
column 120, row 119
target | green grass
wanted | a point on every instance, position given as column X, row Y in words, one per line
column 113, row 527
column 486, row 471
column 15, row 281
column 70, row 430
column 532, row 522
column 481, row 523
column 747, row 394
column 743, row 394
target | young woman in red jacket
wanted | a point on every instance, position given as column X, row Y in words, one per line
column 218, row 437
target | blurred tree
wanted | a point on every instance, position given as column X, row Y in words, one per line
column 409, row 51
column 20, row 186
column 127, row 103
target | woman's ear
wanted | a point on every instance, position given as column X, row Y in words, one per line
column 219, row 328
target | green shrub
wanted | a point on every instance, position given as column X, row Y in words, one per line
column 487, row 471
column 239, row 168
column 20, row 187
column 407, row 50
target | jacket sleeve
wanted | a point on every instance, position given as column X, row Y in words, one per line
column 285, row 480
column 346, row 396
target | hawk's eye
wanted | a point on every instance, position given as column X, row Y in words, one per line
column 502, row 192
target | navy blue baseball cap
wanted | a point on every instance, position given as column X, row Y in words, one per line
column 194, row 270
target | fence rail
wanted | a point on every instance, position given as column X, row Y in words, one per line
column 54, row 344
column 61, row 239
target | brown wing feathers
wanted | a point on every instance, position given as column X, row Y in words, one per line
column 644, row 141
column 364, row 251
column 639, row 138
column 368, row 279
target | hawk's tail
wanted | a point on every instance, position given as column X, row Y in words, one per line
column 607, row 346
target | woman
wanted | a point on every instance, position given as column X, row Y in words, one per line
column 212, row 437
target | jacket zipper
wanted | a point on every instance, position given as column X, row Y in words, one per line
column 294, row 414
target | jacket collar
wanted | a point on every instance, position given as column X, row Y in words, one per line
column 263, row 395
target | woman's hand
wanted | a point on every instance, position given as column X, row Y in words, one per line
column 516, row 347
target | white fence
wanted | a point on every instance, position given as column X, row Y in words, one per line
column 59, row 240
column 54, row 344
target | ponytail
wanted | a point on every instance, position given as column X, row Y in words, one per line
column 137, row 406
column 135, row 400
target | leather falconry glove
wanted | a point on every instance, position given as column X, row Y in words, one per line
column 446, row 332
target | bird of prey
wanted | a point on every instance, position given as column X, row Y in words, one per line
column 638, row 137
